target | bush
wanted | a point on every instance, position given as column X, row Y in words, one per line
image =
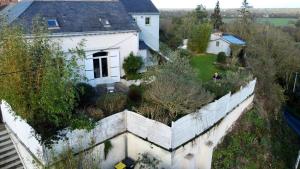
column 82, row 122
column 135, row 94
column 221, row 58
column 132, row 64
column 112, row 102
column 176, row 88
column 185, row 53
column 85, row 93
column 154, row 111
column 94, row 112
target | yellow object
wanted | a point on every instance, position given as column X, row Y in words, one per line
column 120, row 165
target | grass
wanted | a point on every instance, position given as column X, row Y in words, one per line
column 204, row 66
column 273, row 21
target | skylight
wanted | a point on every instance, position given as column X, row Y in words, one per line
column 52, row 24
column 105, row 22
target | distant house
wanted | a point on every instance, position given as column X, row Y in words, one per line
column 111, row 29
column 220, row 42
column 184, row 44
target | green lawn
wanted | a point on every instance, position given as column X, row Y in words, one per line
column 204, row 65
column 273, row 21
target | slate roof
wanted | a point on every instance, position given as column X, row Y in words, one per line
column 79, row 16
column 140, row 6
column 143, row 45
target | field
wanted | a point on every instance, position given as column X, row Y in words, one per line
column 274, row 21
column 204, row 66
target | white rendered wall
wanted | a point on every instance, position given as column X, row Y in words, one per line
column 121, row 43
column 137, row 146
column 223, row 47
column 79, row 140
column 24, row 131
column 197, row 154
column 149, row 33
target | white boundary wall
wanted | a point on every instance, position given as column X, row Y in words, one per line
column 150, row 130
column 192, row 125
column 23, row 131
column 180, row 133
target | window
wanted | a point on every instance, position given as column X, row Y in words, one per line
column 104, row 67
column 147, row 20
column 217, row 43
column 100, row 63
column 105, row 22
column 52, row 24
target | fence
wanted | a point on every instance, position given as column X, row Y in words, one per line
column 181, row 131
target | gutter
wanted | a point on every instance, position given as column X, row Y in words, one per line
column 71, row 34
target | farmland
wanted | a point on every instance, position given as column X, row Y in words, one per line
column 273, row 21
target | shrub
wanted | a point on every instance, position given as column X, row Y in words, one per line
column 82, row 122
column 154, row 111
column 94, row 112
column 185, row 53
column 112, row 102
column 132, row 64
column 135, row 94
column 176, row 88
column 85, row 93
column 221, row 58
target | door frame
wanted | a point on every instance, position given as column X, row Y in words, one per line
column 1, row 118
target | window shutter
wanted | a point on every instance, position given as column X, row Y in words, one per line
column 89, row 68
column 114, row 65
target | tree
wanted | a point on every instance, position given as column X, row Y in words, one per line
column 37, row 77
column 201, row 13
column 297, row 24
column 216, row 17
column 245, row 12
column 200, row 37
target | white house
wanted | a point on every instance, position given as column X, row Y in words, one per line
column 112, row 29
column 220, row 42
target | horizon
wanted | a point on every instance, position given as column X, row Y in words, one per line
column 233, row 4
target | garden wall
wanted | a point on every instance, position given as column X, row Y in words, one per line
column 192, row 125
column 140, row 132
column 23, row 131
column 148, row 129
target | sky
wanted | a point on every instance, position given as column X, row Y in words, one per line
column 227, row 3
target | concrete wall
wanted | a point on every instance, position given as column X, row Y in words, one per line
column 79, row 140
column 186, row 144
column 137, row 146
column 23, row 131
column 144, row 128
column 197, row 154
column 191, row 125
column 149, row 33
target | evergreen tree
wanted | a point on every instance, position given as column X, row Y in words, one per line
column 201, row 13
column 216, row 17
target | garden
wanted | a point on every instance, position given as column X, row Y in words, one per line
column 47, row 89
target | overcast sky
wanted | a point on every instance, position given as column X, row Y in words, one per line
column 227, row 3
